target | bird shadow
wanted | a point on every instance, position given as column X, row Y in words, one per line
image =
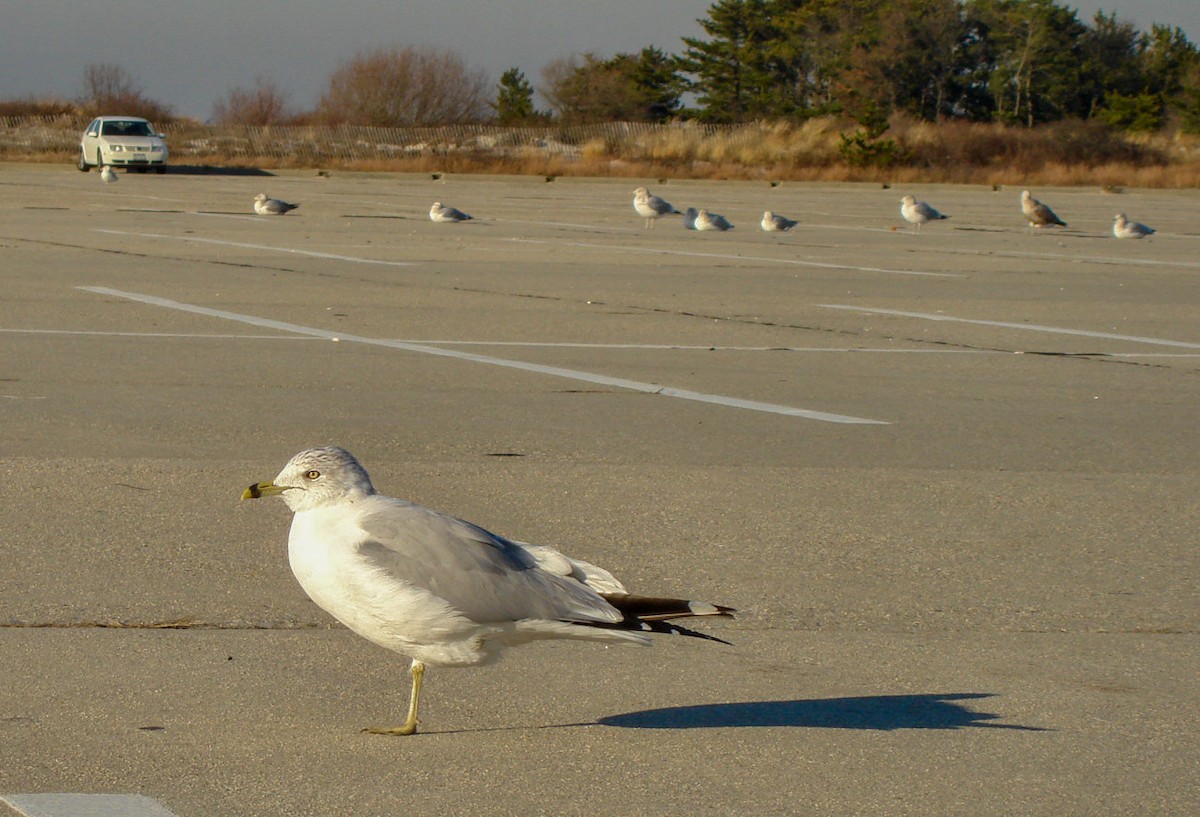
column 882, row 713
column 873, row 712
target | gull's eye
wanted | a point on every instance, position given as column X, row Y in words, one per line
column 312, row 474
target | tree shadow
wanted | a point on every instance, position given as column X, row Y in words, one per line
column 878, row 712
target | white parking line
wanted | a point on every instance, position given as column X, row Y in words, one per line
column 228, row 215
column 206, row 336
column 85, row 805
column 1101, row 259
column 699, row 347
column 1031, row 327
column 654, row 347
column 732, row 257
column 197, row 240
column 554, row 371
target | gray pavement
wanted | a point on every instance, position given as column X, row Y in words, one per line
column 982, row 602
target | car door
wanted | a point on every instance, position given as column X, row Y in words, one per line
column 91, row 138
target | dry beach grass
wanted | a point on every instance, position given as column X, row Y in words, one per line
column 819, row 149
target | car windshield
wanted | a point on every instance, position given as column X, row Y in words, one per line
column 122, row 127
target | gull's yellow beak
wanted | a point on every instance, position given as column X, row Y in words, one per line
column 261, row 489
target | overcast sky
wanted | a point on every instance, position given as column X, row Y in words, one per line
column 190, row 54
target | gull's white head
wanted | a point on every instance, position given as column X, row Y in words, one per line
column 317, row 477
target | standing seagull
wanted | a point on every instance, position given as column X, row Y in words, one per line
column 711, row 221
column 440, row 590
column 1038, row 214
column 651, row 207
column 108, row 175
column 773, row 223
column 443, row 214
column 917, row 213
column 1124, row 228
column 271, row 207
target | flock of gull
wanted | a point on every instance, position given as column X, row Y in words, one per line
column 1038, row 214
column 916, row 213
column 652, row 208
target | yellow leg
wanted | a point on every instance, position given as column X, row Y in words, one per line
column 409, row 727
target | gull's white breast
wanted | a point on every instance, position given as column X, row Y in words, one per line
column 323, row 549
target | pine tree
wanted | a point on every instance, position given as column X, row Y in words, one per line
column 657, row 85
column 514, row 99
column 741, row 72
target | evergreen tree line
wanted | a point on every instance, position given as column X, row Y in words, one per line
column 1013, row 61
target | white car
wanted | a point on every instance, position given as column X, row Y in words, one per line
column 122, row 141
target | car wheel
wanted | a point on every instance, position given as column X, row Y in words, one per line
column 82, row 163
column 99, row 158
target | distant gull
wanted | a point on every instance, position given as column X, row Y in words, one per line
column 444, row 214
column 108, row 175
column 711, row 221
column 917, row 213
column 440, row 590
column 774, row 223
column 651, row 207
column 271, row 207
column 1038, row 214
column 1124, row 228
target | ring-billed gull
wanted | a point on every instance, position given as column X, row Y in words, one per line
column 651, row 207
column 917, row 213
column 1038, row 214
column 108, row 175
column 440, row 590
column 711, row 221
column 775, row 223
column 444, row 214
column 1124, row 228
column 265, row 206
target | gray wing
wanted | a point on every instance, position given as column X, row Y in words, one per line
column 661, row 206
column 487, row 577
column 1048, row 216
column 928, row 211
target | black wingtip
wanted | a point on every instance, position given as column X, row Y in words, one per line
column 675, row 629
column 658, row 615
column 649, row 608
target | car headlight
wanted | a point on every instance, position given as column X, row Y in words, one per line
column 115, row 148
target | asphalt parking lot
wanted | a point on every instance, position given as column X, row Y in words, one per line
column 949, row 479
